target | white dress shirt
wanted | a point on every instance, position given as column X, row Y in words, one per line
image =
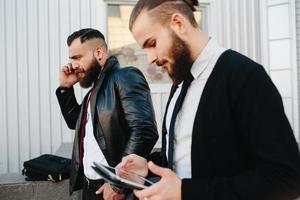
column 201, row 70
column 92, row 152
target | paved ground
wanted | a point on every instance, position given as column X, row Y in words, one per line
column 14, row 187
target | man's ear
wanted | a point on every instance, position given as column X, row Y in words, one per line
column 98, row 53
column 177, row 23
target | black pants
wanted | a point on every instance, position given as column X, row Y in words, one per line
column 89, row 189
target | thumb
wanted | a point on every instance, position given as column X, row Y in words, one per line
column 100, row 189
column 160, row 171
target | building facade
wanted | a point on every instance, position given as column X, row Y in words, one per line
column 33, row 47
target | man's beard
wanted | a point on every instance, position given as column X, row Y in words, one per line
column 181, row 55
column 90, row 75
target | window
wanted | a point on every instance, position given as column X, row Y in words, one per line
column 122, row 44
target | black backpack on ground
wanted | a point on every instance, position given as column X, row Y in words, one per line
column 47, row 167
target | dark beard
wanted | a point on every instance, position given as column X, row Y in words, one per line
column 91, row 75
column 181, row 55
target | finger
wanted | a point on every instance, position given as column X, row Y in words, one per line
column 69, row 67
column 125, row 161
column 121, row 172
column 100, row 190
column 160, row 171
column 130, row 158
column 122, row 163
column 150, row 191
column 64, row 69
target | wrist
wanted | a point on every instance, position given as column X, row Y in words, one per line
column 65, row 87
column 117, row 189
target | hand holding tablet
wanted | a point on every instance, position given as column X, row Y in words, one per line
column 121, row 178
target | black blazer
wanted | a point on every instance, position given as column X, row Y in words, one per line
column 242, row 144
column 122, row 114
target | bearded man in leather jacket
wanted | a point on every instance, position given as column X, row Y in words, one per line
column 116, row 117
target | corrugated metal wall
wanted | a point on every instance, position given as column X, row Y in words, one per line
column 238, row 26
column 297, row 4
column 33, row 47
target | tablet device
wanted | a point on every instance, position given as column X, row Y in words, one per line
column 122, row 178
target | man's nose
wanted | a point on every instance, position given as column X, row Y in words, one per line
column 151, row 57
column 75, row 65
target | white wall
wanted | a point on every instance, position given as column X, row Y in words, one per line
column 279, row 53
column 236, row 25
column 297, row 5
column 33, row 47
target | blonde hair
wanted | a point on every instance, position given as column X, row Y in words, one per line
column 162, row 10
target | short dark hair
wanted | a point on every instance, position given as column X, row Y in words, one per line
column 84, row 35
column 163, row 9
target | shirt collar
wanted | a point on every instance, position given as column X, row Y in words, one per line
column 204, row 58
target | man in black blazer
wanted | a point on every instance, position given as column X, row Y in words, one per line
column 225, row 134
column 115, row 118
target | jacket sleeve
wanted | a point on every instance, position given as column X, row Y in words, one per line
column 136, row 102
column 266, row 132
column 68, row 105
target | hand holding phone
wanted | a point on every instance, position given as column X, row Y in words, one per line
column 67, row 76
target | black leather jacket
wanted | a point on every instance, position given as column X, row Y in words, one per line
column 122, row 114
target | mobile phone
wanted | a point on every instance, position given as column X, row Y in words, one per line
column 121, row 178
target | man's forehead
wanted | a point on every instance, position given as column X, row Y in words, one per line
column 144, row 27
column 76, row 48
column 77, row 45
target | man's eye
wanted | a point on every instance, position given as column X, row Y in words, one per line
column 153, row 43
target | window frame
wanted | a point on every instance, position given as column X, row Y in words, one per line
column 205, row 6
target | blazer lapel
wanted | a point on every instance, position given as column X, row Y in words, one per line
column 110, row 65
